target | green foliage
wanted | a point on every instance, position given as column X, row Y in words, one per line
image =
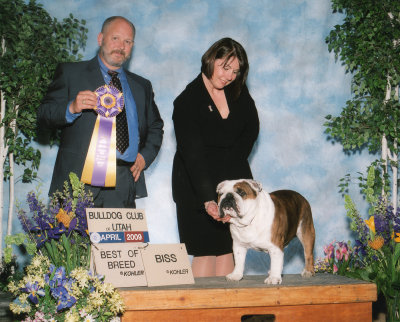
column 19, row 239
column 33, row 43
column 368, row 44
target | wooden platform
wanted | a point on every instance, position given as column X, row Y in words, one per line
column 324, row 297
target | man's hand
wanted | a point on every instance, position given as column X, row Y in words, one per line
column 138, row 167
column 85, row 100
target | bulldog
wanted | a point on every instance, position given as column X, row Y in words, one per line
column 266, row 222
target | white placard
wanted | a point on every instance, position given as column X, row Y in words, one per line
column 121, row 264
column 166, row 264
column 117, row 225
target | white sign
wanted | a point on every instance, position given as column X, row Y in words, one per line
column 167, row 264
column 117, row 225
column 116, row 234
column 121, row 264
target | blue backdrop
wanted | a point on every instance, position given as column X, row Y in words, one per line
column 293, row 79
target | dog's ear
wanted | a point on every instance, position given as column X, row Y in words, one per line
column 257, row 186
column 220, row 185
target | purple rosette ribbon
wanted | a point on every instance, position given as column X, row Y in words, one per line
column 100, row 165
column 110, row 101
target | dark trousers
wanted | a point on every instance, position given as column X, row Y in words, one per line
column 122, row 196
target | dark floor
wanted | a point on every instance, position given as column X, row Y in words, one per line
column 5, row 313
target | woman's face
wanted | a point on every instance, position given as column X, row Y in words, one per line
column 224, row 72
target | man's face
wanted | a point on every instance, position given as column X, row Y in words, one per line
column 116, row 43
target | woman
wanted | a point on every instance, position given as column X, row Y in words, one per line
column 216, row 125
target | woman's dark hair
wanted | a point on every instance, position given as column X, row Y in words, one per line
column 226, row 48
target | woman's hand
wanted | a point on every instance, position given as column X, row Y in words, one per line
column 213, row 210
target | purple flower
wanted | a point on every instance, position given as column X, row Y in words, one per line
column 59, row 274
column 26, row 223
column 380, row 224
column 34, row 291
column 360, row 249
column 64, row 299
column 72, row 225
column 40, row 239
column 56, row 232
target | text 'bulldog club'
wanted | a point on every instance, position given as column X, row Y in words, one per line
column 115, row 215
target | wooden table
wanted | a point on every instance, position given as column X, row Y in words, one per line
column 324, row 297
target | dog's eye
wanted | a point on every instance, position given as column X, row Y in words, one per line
column 241, row 192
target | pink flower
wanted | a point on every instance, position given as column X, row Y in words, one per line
column 329, row 250
column 342, row 252
column 335, row 268
column 339, row 254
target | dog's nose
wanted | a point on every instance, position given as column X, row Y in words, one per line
column 228, row 202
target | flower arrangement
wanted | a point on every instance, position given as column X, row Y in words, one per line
column 375, row 256
column 59, row 232
column 57, row 285
column 47, row 293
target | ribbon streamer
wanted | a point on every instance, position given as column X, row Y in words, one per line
column 100, row 164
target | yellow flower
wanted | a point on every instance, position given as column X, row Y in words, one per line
column 371, row 223
column 64, row 217
column 377, row 243
column 12, row 287
column 96, row 299
column 106, row 288
column 18, row 309
column 15, row 308
column 23, row 298
column 76, row 290
column 117, row 303
column 36, row 261
column 397, row 239
column 72, row 316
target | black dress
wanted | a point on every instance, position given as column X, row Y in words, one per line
column 210, row 149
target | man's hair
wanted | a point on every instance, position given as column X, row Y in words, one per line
column 226, row 48
column 109, row 20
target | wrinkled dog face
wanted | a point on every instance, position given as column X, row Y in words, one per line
column 235, row 196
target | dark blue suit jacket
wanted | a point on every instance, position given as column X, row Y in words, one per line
column 71, row 78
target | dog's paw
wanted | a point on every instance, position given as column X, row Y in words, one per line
column 273, row 280
column 234, row 277
column 307, row 274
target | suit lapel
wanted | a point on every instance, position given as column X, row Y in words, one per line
column 95, row 78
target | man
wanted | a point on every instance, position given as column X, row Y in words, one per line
column 69, row 105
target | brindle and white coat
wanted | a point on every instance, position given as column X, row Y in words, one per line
column 266, row 222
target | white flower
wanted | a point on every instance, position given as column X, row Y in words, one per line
column 106, row 288
column 37, row 261
column 81, row 276
column 82, row 313
column 89, row 318
column 115, row 319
